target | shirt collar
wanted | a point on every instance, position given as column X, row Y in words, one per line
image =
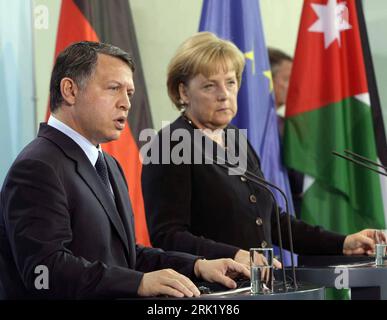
column 88, row 148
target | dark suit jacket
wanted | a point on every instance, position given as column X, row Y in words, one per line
column 56, row 212
column 201, row 209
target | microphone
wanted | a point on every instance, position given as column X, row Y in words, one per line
column 361, row 161
column 265, row 184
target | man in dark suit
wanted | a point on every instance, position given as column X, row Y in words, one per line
column 65, row 211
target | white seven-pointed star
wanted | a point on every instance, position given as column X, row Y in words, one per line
column 332, row 19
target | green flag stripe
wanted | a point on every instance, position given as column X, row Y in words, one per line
column 324, row 206
column 340, row 187
column 312, row 136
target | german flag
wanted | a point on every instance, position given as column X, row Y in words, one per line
column 111, row 22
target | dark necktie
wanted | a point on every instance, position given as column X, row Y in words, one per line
column 102, row 171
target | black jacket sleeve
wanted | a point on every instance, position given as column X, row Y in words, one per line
column 307, row 239
column 38, row 226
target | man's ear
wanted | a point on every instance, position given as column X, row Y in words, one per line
column 183, row 93
column 69, row 90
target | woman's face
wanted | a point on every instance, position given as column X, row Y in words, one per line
column 211, row 102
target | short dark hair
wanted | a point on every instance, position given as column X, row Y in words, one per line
column 276, row 57
column 78, row 62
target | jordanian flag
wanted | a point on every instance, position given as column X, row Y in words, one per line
column 329, row 109
column 111, row 22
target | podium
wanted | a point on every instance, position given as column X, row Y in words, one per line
column 365, row 280
column 303, row 292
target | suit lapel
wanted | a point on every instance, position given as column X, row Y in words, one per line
column 89, row 175
column 123, row 204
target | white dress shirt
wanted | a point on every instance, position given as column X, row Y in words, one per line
column 88, row 148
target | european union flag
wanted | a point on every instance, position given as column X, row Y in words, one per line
column 240, row 22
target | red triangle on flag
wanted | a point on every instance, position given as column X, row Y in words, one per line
column 326, row 74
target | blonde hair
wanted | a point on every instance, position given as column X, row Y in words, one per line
column 203, row 53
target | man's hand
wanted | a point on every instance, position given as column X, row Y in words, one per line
column 362, row 242
column 222, row 271
column 167, row 282
column 243, row 256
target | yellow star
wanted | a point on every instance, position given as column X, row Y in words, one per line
column 250, row 55
column 268, row 75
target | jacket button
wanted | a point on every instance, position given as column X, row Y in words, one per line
column 259, row 221
column 264, row 244
column 243, row 179
column 253, row 199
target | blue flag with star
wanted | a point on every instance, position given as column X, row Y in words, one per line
column 240, row 22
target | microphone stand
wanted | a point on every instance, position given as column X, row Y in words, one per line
column 276, row 209
column 364, row 159
column 361, row 162
column 267, row 183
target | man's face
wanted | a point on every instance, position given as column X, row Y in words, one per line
column 101, row 107
column 281, row 82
